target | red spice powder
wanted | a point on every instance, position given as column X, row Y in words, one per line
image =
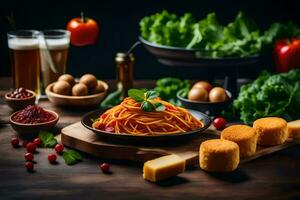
column 33, row 115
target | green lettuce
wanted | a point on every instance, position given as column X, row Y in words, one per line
column 168, row 88
column 241, row 37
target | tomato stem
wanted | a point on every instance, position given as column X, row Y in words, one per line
column 82, row 16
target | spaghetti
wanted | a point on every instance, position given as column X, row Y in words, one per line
column 129, row 118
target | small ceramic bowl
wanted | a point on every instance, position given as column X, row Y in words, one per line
column 209, row 108
column 18, row 104
column 76, row 101
column 31, row 130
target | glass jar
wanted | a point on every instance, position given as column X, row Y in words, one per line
column 124, row 69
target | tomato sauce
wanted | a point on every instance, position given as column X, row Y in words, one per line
column 33, row 115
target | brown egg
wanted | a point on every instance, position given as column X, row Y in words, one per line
column 98, row 89
column 79, row 89
column 217, row 94
column 204, row 84
column 67, row 77
column 89, row 80
column 198, row 94
column 62, row 87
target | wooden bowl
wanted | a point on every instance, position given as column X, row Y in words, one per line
column 18, row 104
column 76, row 101
column 31, row 130
column 209, row 108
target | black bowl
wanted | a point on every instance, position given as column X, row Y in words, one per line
column 209, row 108
column 167, row 139
column 176, row 56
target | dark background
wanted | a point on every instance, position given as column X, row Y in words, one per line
column 119, row 30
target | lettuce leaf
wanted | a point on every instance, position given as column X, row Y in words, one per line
column 241, row 37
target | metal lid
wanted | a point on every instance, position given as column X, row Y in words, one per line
column 121, row 57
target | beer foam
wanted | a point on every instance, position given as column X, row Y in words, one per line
column 23, row 43
column 56, row 44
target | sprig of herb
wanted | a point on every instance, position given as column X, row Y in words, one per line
column 146, row 99
column 71, row 157
column 48, row 139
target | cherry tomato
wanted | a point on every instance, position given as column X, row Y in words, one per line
column 28, row 157
column 52, row 158
column 37, row 142
column 105, row 167
column 59, row 148
column 84, row 31
column 29, row 166
column 14, row 142
column 219, row 123
column 31, row 147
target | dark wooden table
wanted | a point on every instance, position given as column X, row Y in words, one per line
column 276, row 176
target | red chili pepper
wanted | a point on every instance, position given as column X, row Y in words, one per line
column 287, row 54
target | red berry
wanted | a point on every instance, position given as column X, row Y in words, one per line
column 59, row 148
column 37, row 142
column 14, row 142
column 219, row 123
column 29, row 166
column 31, row 147
column 28, row 157
column 24, row 144
column 105, row 167
column 52, row 158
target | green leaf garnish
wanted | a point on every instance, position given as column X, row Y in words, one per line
column 151, row 94
column 137, row 95
column 146, row 98
column 159, row 106
column 48, row 139
column 71, row 157
column 147, row 106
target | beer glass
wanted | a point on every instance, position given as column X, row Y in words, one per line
column 54, row 45
column 25, row 59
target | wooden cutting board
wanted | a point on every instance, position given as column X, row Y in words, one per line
column 80, row 138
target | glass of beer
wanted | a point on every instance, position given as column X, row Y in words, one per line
column 54, row 45
column 25, row 59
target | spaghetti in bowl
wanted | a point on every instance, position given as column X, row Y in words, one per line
column 128, row 118
column 97, row 121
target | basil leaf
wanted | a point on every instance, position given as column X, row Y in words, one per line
column 137, row 95
column 159, row 107
column 147, row 106
column 75, row 154
column 48, row 139
column 71, row 157
column 151, row 94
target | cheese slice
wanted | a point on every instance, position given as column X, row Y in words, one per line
column 163, row 168
column 294, row 129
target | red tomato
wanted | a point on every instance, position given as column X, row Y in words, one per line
column 84, row 31
column 219, row 123
column 287, row 54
